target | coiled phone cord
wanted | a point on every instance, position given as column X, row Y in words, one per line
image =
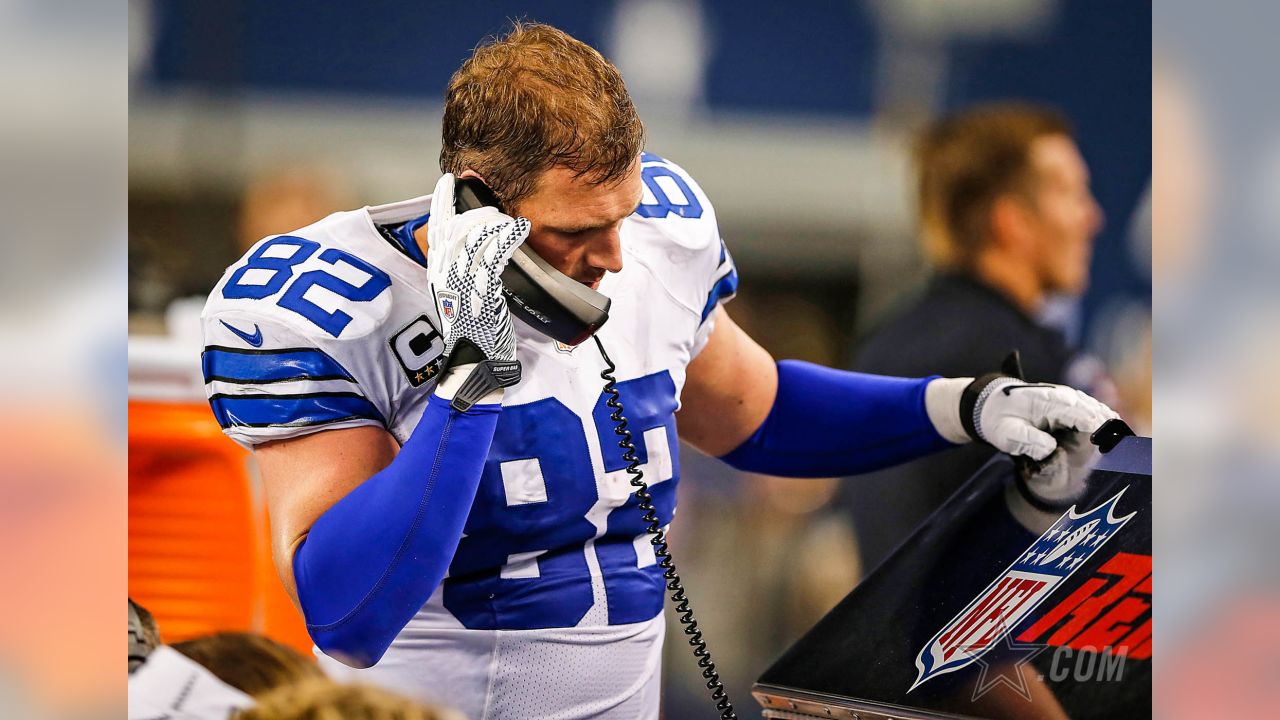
column 659, row 541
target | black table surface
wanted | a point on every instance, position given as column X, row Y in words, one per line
column 996, row 608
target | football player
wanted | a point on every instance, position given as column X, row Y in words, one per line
column 449, row 502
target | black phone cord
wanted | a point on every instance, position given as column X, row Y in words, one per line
column 659, row 541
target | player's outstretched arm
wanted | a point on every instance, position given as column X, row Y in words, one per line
column 797, row 419
column 366, row 554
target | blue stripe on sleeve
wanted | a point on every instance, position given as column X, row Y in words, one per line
column 291, row 410
column 266, row 366
column 724, row 287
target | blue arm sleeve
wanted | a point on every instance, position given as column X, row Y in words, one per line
column 372, row 560
column 826, row 423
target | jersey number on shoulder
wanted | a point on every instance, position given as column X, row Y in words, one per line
column 271, row 267
column 671, row 194
column 526, row 560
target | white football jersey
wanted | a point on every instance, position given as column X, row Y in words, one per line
column 552, row 606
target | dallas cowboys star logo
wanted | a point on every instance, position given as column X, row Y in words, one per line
column 1006, row 668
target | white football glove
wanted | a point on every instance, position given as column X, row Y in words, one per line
column 466, row 255
column 1017, row 417
column 1014, row 416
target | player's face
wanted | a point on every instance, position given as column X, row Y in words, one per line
column 576, row 224
column 1066, row 216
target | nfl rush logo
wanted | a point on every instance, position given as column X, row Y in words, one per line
column 1041, row 568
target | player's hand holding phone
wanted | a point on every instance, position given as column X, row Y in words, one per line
column 1017, row 417
column 466, row 255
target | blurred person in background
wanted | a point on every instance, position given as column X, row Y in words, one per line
column 170, row 685
column 205, row 679
column 405, row 405
column 251, row 663
column 144, row 634
column 1008, row 220
column 319, row 699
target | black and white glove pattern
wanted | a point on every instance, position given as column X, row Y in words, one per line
column 466, row 255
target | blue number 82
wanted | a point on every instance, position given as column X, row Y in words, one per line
column 663, row 205
column 524, row 562
column 268, row 259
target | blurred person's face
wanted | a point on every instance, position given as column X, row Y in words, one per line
column 1064, row 218
column 576, row 224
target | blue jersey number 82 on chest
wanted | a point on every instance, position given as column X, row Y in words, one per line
column 272, row 265
column 547, row 540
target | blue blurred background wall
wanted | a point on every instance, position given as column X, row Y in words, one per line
column 862, row 70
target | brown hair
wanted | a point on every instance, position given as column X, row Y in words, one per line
column 251, row 663
column 533, row 99
column 328, row 700
column 965, row 162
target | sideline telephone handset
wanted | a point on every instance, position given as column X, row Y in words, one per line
column 1066, row 470
column 570, row 312
column 545, row 298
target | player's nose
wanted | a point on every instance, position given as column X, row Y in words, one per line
column 606, row 251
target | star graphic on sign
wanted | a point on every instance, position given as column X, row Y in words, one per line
column 419, row 377
column 1007, row 668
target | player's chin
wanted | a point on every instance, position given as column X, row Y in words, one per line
column 1078, row 283
column 1071, row 281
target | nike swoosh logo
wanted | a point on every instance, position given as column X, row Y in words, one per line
column 255, row 339
column 1010, row 388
